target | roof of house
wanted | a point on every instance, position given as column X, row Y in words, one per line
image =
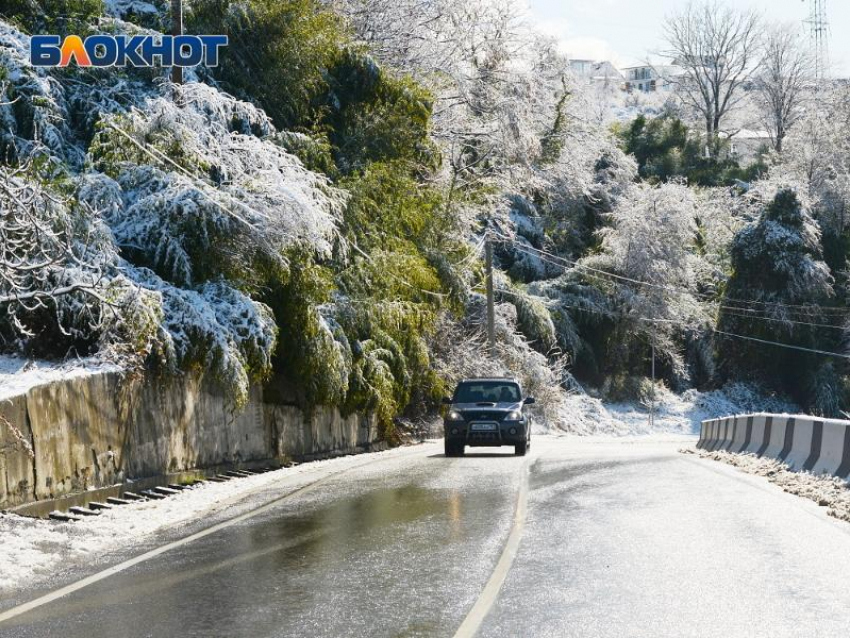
column 746, row 134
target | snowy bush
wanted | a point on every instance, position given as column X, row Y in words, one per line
column 33, row 107
column 213, row 167
column 777, row 291
column 61, row 285
column 778, row 258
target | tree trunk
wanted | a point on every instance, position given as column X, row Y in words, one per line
column 780, row 137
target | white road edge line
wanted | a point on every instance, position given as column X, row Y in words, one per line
column 120, row 567
column 472, row 623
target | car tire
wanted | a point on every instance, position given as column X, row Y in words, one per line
column 453, row 450
column 521, row 448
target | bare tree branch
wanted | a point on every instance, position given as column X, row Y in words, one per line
column 717, row 50
column 783, row 82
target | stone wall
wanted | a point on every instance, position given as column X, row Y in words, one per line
column 97, row 430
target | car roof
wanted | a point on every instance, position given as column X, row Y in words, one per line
column 475, row 379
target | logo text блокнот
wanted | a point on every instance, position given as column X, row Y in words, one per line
column 123, row 50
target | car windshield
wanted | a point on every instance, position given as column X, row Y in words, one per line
column 487, row 391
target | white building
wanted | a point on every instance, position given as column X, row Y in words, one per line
column 650, row 78
column 745, row 145
column 597, row 72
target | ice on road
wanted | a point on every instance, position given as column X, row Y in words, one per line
column 633, row 539
column 623, row 537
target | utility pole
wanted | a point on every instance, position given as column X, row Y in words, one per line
column 652, row 399
column 177, row 30
column 491, row 310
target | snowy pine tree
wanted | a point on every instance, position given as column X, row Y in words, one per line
column 777, row 291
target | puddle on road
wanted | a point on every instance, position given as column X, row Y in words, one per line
column 379, row 517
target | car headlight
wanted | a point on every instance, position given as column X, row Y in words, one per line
column 454, row 415
column 515, row 415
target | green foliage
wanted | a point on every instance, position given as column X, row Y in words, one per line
column 827, row 391
column 657, row 144
column 626, row 387
column 61, row 17
column 375, row 117
column 359, row 352
column 315, row 152
column 294, row 58
column 405, row 229
column 389, row 210
column 392, row 366
column 278, row 54
column 534, row 321
column 310, row 351
column 353, row 332
column 553, row 142
column 666, row 148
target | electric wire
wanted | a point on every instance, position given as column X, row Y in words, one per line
column 670, row 288
column 715, row 330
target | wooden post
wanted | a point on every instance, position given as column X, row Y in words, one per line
column 177, row 30
column 491, row 310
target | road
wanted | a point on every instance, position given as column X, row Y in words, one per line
column 618, row 538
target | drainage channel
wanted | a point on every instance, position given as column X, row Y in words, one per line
column 92, row 502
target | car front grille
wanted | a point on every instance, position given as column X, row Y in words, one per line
column 484, row 416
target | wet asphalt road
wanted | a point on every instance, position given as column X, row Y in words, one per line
column 621, row 538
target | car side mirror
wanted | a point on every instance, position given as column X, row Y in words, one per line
column 529, row 400
column 447, row 401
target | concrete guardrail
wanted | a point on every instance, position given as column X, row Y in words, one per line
column 820, row 446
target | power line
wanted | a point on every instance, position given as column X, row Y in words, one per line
column 773, row 319
column 763, row 341
column 667, row 287
column 537, row 252
column 781, row 345
column 726, row 308
column 725, row 333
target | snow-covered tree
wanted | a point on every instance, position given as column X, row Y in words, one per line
column 778, row 290
column 650, row 249
column 152, row 219
column 651, row 240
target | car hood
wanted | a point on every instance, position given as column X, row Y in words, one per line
column 507, row 406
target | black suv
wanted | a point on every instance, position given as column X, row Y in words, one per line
column 487, row 413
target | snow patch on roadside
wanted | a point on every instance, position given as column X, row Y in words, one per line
column 34, row 549
column 824, row 489
column 674, row 413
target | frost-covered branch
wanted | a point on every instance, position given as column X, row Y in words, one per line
column 42, row 260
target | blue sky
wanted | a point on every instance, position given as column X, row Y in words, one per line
column 626, row 30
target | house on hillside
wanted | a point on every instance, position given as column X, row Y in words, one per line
column 596, row 72
column 649, row 78
column 745, row 145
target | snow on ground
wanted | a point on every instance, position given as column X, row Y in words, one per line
column 33, row 549
column 17, row 375
column 674, row 414
column 825, row 490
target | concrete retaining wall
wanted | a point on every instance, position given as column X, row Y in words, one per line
column 811, row 444
column 96, row 430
